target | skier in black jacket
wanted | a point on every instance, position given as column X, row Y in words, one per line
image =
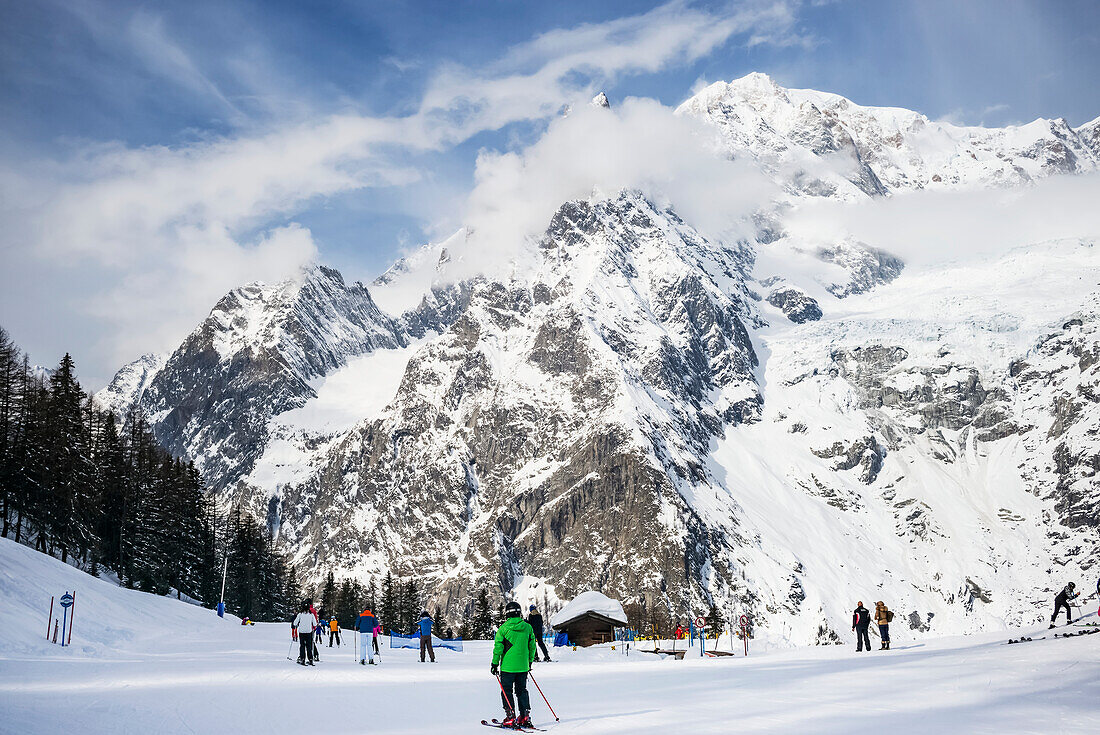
column 861, row 621
column 1062, row 600
column 534, row 619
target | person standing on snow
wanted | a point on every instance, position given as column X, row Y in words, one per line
column 883, row 618
column 1062, row 600
column 334, row 632
column 513, row 654
column 861, row 621
column 425, row 628
column 366, row 623
column 304, row 623
column 313, row 630
column 534, row 619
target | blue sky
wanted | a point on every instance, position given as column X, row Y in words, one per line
column 147, row 146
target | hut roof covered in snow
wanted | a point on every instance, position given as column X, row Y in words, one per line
column 591, row 604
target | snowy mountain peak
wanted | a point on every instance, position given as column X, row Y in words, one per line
column 808, row 133
column 128, row 386
column 601, row 100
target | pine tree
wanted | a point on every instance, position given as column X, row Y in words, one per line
column 112, row 494
column 328, row 594
column 715, row 622
column 344, row 608
column 10, row 400
column 410, row 607
column 69, row 472
column 29, row 456
column 481, row 625
column 388, row 604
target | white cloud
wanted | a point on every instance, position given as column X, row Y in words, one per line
column 639, row 144
column 924, row 228
column 533, row 79
column 164, row 231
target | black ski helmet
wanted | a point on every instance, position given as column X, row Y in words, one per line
column 511, row 610
column 1071, row 585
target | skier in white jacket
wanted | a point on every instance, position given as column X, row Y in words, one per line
column 305, row 623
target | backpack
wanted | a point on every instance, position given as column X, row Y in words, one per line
column 889, row 616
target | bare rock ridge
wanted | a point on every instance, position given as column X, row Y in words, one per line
column 768, row 424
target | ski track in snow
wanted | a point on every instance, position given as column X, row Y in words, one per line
column 145, row 664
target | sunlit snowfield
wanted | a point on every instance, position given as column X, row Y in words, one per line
column 142, row 664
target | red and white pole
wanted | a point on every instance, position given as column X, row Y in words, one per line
column 72, row 616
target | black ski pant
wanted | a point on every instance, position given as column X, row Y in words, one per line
column 542, row 645
column 862, row 639
column 426, row 647
column 517, row 683
column 1059, row 603
column 334, row 634
column 305, row 647
column 884, row 632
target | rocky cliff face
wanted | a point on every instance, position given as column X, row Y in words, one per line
column 655, row 414
column 548, row 430
column 253, row 358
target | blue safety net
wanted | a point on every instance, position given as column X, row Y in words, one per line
column 413, row 641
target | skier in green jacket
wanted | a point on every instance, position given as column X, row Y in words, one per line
column 513, row 652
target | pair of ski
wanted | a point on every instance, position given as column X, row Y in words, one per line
column 501, row 726
column 1025, row 639
column 1074, row 635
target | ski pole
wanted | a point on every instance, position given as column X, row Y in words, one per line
column 504, row 695
column 290, row 650
column 544, row 699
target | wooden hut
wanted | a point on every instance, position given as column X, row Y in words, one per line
column 589, row 619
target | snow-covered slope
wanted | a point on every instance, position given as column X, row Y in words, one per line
column 780, row 426
column 143, row 664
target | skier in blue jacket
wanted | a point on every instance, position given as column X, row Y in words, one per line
column 365, row 624
column 425, row 629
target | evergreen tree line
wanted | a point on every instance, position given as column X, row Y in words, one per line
column 397, row 604
column 76, row 485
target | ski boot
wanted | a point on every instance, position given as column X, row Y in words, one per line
column 509, row 721
column 362, row 662
column 524, row 720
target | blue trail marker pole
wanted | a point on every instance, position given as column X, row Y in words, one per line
column 66, row 603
